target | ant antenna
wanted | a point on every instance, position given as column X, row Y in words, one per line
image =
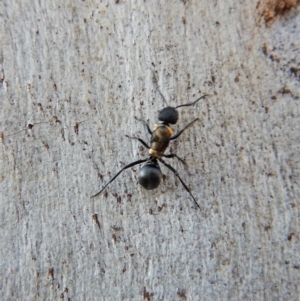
column 191, row 104
column 154, row 79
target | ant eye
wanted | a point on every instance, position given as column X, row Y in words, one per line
column 150, row 176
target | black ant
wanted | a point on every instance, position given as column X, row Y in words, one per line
column 150, row 174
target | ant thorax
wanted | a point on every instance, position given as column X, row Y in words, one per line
column 160, row 139
column 160, row 125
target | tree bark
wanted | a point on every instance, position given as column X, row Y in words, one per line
column 76, row 78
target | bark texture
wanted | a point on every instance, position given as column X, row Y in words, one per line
column 75, row 78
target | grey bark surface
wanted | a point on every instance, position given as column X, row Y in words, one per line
column 74, row 75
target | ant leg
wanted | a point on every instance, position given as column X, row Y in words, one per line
column 192, row 103
column 174, row 155
column 148, row 128
column 146, row 124
column 143, row 142
column 180, row 132
column 125, row 167
column 177, row 175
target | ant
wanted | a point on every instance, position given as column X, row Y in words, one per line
column 150, row 174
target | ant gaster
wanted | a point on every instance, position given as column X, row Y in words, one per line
column 150, row 174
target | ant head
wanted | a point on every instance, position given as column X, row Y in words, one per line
column 150, row 176
column 168, row 115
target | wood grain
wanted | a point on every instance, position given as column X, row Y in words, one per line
column 74, row 75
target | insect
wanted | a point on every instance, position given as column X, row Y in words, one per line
column 150, row 174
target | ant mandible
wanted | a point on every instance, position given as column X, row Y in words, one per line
column 150, row 174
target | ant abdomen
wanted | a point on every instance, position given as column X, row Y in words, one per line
column 150, row 176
